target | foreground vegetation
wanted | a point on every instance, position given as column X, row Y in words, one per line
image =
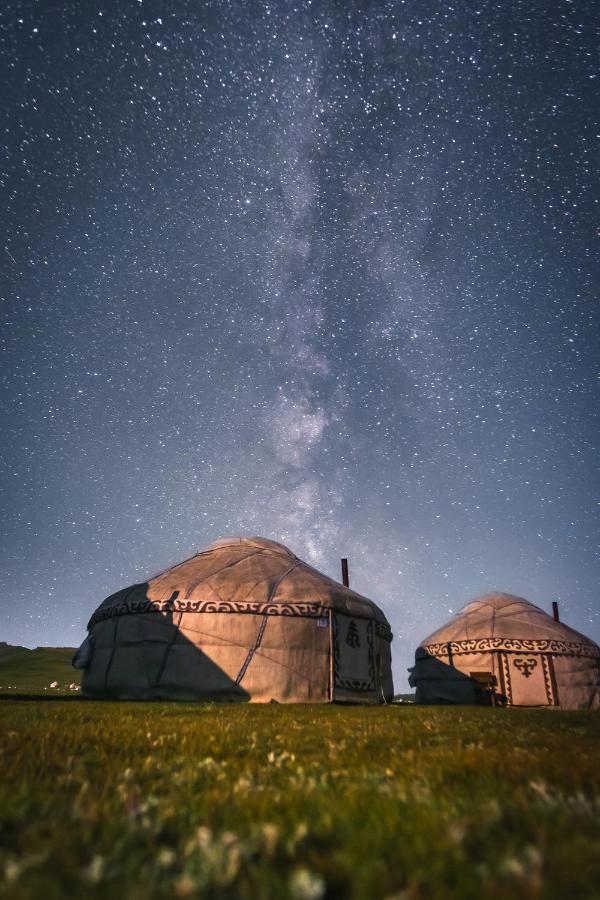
column 140, row 800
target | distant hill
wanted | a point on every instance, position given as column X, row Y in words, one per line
column 30, row 671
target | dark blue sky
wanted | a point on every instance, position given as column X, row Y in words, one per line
column 321, row 272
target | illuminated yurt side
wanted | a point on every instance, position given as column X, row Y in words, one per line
column 535, row 659
column 243, row 620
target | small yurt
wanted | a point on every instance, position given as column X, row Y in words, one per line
column 503, row 649
column 243, row 620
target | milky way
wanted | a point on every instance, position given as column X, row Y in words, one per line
column 318, row 272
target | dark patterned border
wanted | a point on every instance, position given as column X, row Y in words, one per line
column 569, row 648
column 384, row 632
column 547, row 673
column 548, row 680
column 504, row 671
column 351, row 684
column 306, row 610
column 311, row 610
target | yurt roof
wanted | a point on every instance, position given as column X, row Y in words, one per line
column 234, row 573
column 505, row 618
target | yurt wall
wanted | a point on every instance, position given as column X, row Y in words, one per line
column 527, row 657
column 243, row 620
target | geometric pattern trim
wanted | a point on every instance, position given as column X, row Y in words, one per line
column 306, row 610
column 507, row 684
column 514, row 645
column 546, row 663
column 507, row 689
column 383, row 631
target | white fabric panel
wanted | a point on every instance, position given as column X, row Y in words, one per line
column 537, row 660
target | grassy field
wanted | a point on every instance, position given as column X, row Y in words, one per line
column 30, row 671
column 150, row 800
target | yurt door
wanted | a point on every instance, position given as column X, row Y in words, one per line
column 529, row 681
column 353, row 655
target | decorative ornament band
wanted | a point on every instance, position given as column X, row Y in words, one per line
column 480, row 645
column 304, row 610
column 355, row 684
column 384, row 631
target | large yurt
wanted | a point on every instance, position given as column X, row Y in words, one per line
column 242, row 620
column 503, row 649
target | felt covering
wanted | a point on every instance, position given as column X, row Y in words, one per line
column 535, row 660
column 244, row 620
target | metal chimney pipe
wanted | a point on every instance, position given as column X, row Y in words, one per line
column 345, row 579
column 555, row 611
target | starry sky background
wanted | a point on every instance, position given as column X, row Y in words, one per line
column 320, row 272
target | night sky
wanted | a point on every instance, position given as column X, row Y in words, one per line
column 321, row 272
